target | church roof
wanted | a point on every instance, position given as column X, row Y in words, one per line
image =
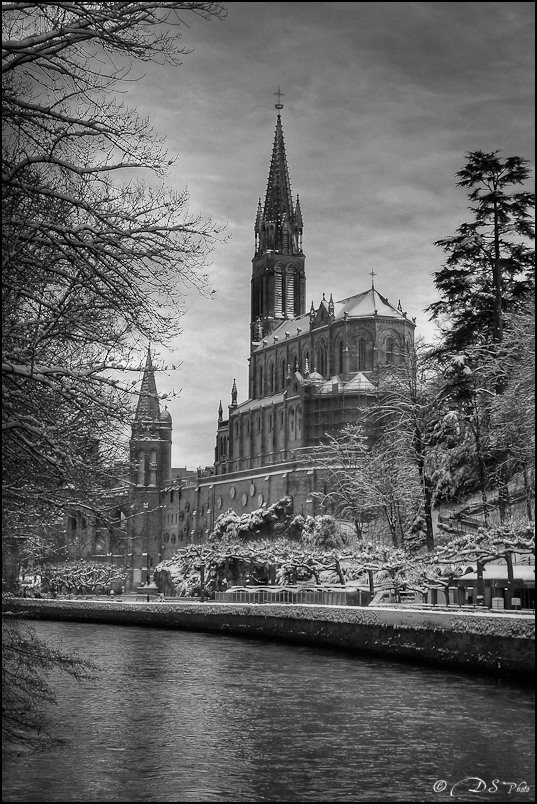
column 357, row 382
column 264, row 402
column 362, row 305
column 367, row 304
column 148, row 406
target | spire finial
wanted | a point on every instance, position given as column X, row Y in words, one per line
column 372, row 275
column 280, row 95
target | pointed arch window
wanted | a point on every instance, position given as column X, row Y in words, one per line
column 290, row 295
column 291, row 422
column 293, row 362
column 271, row 378
column 278, row 295
column 391, row 354
column 321, row 360
column 260, row 381
column 298, row 294
column 340, row 357
column 141, row 468
column 153, row 468
column 283, row 373
column 261, row 300
column 362, row 354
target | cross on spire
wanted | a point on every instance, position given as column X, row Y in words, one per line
column 280, row 95
column 372, row 275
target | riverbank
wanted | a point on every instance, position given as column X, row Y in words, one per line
column 501, row 644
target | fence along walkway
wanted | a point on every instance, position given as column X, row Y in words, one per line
column 324, row 597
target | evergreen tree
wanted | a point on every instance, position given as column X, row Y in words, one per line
column 488, row 269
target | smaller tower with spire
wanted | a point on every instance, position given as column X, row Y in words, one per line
column 150, row 451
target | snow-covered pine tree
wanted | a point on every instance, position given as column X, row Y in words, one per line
column 488, row 271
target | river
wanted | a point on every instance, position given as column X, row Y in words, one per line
column 193, row 717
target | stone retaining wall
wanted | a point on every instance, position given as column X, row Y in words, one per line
column 502, row 644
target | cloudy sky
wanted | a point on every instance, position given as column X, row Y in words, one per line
column 382, row 102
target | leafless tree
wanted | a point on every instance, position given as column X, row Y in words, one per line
column 97, row 252
column 97, row 255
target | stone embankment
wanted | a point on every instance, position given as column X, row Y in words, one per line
column 502, row 644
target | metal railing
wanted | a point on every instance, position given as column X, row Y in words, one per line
column 304, row 596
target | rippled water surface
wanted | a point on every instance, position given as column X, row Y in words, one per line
column 192, row 717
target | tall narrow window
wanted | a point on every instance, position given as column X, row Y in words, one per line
column 362, row 353
column 390, row 352
column 292, row 423
column 298, row 295
column 153, row 468
column 321, row 360
column 293, row 362
column 278, row 295
column 340, row 357
column 290, row 296
column 141, row 468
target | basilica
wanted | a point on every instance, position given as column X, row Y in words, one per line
column 311, row 371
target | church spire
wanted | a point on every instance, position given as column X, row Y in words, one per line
column 278, row 209
column 148, row 406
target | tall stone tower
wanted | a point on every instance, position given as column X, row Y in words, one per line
column 278, row 274
column 150, row 461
